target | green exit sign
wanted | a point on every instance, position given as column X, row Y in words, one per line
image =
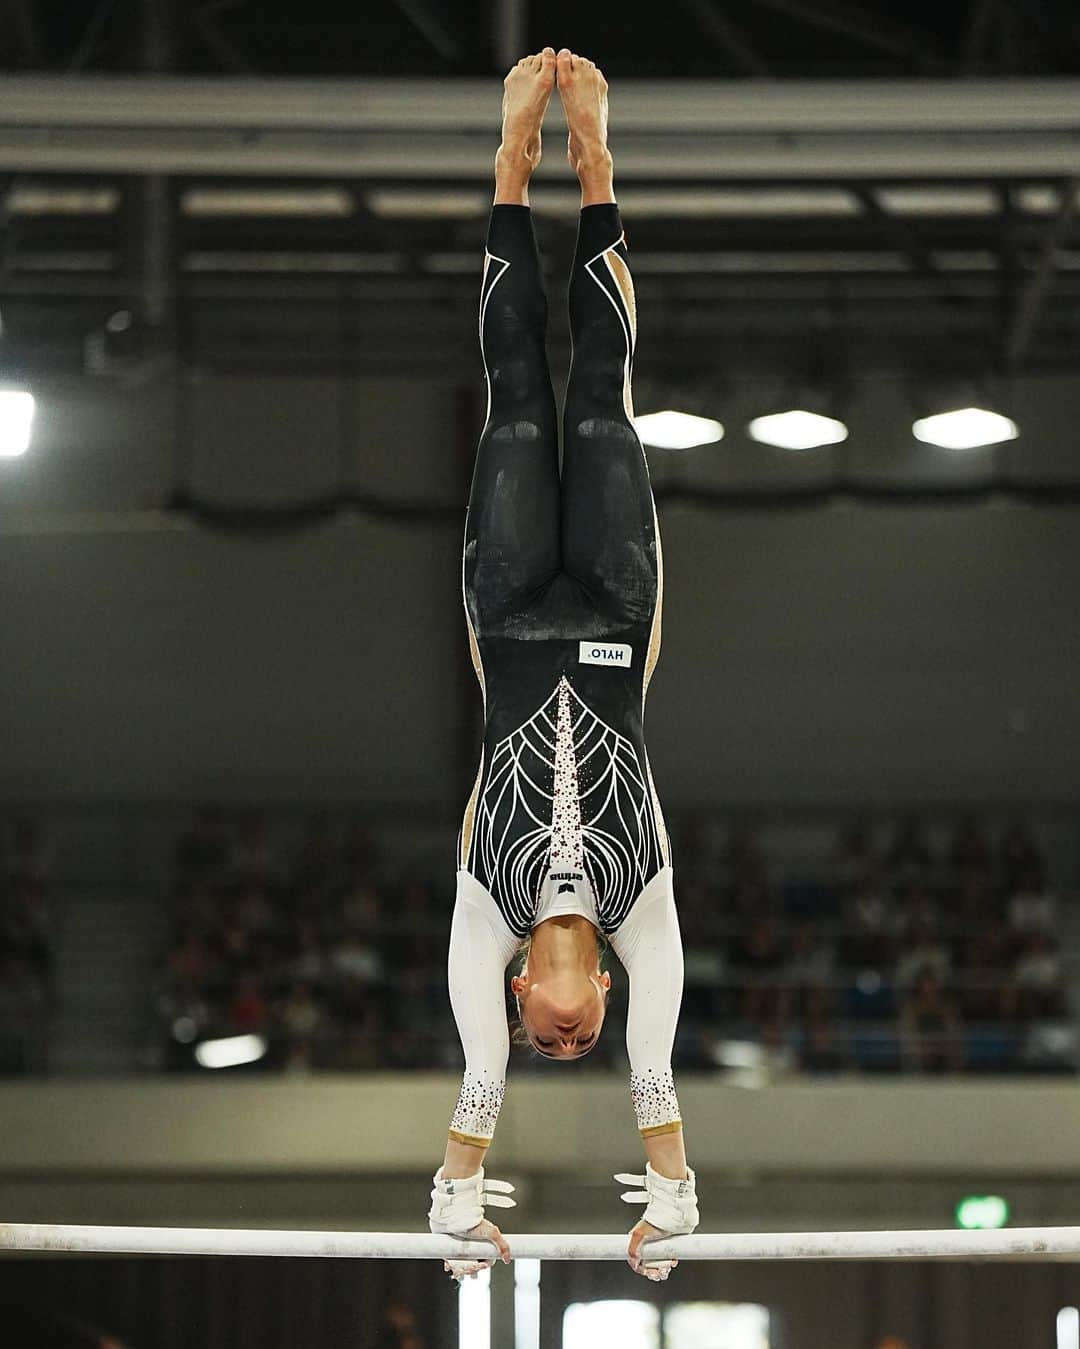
column 981, row 1211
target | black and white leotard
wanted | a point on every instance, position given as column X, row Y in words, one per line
column 563, row 590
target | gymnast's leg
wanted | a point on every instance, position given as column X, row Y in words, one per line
column 609, row 537
column 512, row 533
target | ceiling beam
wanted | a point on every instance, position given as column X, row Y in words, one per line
column 204, row 20
column 871, row 29
column 510, row 30
column 1040, row 282
column 26, row 18
column 670, row 158
column 655, row 107
column 428, row 23
column 983, row 12
column 715, row 24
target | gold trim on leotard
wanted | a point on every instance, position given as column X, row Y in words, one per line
column 472, row 1140
column 672, row 1127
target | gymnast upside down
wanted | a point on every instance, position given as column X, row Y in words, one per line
column 563, row 838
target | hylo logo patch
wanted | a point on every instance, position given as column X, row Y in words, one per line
column 605, row 653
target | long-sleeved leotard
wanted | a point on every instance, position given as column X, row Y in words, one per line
column 563, row 583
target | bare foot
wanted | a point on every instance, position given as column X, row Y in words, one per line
column 583, row 90
column 527, row 91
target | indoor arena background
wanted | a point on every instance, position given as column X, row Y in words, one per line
column 241, row 256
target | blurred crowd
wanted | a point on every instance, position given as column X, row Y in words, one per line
column 26, row 948
column 895, row 953
column 333, row 958
column 898, row 952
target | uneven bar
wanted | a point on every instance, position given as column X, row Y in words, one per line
column 1015, row 1243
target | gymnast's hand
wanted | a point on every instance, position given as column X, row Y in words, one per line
column 656, row 1270
column 483, row 1231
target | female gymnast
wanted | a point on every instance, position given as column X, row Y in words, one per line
column 563, row 837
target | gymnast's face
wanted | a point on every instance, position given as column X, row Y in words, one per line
column 562, row 1013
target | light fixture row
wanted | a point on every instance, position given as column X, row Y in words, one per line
column 796, row 429
column 963, row 428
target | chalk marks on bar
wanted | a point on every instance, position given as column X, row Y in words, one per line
column 1016, row 1243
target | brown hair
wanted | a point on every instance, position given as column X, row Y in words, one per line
column 518, row 1034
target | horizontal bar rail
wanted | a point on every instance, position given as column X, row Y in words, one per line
column 1017, row 1243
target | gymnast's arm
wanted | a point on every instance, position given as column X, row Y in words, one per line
column 649, row 945
column 481, row 946
column 650, row 948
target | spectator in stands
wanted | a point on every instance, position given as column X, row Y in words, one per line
column 872, row 928
column 301, row 1020
column 853, row 856
column 40, row 1327
column 255, row 912
column 361, row 910
column 1037, row 980
column 190, row 963
column 309, row 963
column 400, row 1330
column 822, row 1049
column 811, row 963
column 778, row 1055
column 914, row 910
column 301, row 1013
column 355, row 960
column 973, row 901
column 758, row 956
column 983, row 970
column 247, row 1012
column 931, row 1028
column 924, row 953
column 361, row 1045
column 1032, row 907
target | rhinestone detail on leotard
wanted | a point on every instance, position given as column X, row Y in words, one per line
column 478, row 1106
column 566, row 845
column 654, row 1098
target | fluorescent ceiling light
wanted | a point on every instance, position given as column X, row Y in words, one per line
column 966, row 260
column 965, row 428
column 277, row 201
column 423, row 203
column 62, row 260
column 839, row 260
column 204, row 261
column 16, row 419
column 677, row 430
column 797, row 430
column 555, row 201
column 46, row 199
column 461, row 264
column 1037, row 200
column 230, row 1052
column 740, row 202
column 975, row 200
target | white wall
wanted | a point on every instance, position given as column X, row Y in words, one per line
column 387, row 1124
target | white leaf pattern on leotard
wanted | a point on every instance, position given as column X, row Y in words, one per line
column 514, row 842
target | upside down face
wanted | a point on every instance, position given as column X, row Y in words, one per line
column 562, row 1013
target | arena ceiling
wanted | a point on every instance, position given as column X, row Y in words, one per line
column 811, row 186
